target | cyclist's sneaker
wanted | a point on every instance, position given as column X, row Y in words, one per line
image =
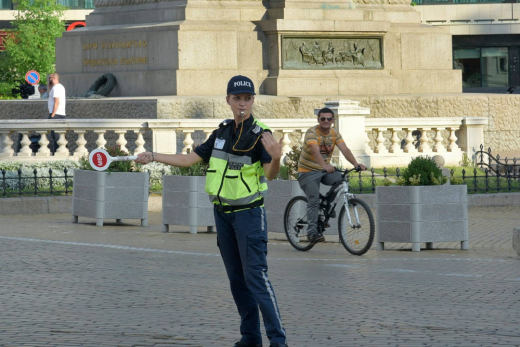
column 247, row 344
column 316, row 237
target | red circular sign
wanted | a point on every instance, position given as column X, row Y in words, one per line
column 99, row 159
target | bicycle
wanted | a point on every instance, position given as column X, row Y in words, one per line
column 356, row 237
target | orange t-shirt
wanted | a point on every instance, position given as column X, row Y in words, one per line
column 326, row 144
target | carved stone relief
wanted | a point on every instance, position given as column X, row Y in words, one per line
column 303, row 53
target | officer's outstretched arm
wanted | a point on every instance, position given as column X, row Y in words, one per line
column 181, row 160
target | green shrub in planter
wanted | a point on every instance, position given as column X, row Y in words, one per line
column 422, row 171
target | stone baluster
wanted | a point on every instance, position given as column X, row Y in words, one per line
column 424, row 147
column 439, row 146
column 409, row 147
column 368, row 149
column 81, row 150
column 286, row 142
column 453, row 147
column 7, row 151
column 380, row 147
column 44, row 150
column 121, row 141
column 302, row 138
column 100, row 142
column 395, row 147
column 62, row 150
column 208, row 133
column 25, row 150
column 139, row 143
column 188, row 141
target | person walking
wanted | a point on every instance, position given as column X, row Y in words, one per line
column 42, row 89
column 314, row 166
column 242, row 155
column 56, row 105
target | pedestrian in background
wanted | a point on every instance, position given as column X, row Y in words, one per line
column 42, row 88
column 56, row 105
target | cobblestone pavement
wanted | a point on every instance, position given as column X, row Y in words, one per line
column 64, row 284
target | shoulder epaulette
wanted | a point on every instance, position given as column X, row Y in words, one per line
column 225, row 122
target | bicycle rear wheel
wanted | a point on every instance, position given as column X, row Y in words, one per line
column 356, row 239
column 295, row 223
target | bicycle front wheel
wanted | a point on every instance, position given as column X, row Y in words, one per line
column 357, row 237
column 295, row 223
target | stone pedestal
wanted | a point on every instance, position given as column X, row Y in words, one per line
column 157, row 47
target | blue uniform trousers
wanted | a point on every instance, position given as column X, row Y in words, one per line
column 242, row 239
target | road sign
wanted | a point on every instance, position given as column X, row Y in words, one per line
column 32, row 77
column 100, row 160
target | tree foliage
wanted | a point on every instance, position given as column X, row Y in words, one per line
column 31, row 46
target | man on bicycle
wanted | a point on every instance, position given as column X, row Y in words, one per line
column 314, row 166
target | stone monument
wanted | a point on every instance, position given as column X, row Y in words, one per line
column 288, row 48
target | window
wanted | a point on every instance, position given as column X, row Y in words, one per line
column 6, row 5
column 482, row 66
column 468, row 60
column 494, row 67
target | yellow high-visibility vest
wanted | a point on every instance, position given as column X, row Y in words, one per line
column 232, row 178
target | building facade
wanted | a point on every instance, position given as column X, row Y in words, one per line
column 76, row 12
column 486, row 40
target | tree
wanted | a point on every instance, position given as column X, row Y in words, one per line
column 31, row 46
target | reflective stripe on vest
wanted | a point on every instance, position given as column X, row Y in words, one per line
column 234, row 179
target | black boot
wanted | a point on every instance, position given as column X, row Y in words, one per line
column 246, row 344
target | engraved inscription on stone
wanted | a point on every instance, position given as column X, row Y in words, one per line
column 112, row 53
column 332, row 53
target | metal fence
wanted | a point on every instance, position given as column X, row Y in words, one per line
column 16, row 184
column 490, row 174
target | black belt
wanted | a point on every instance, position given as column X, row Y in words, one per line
column 228, row 208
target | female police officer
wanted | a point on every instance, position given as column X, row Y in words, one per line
column 242, row 155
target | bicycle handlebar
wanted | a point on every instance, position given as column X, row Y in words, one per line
column 345, row 172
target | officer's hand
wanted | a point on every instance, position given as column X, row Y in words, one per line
column 272, row 147
column 363, row 167
column 329, row 168
column 144, row 158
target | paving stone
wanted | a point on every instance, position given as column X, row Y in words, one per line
column 65, row 284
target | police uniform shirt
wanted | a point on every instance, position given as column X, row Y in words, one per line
column 259, row 152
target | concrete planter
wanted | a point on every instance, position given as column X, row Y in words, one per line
column 278, row 195
column 186, row 203
column 422, row 214
column 116, row 195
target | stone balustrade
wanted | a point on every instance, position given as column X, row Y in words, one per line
column 376, row 142
column 163, row 138
column 393, row 142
